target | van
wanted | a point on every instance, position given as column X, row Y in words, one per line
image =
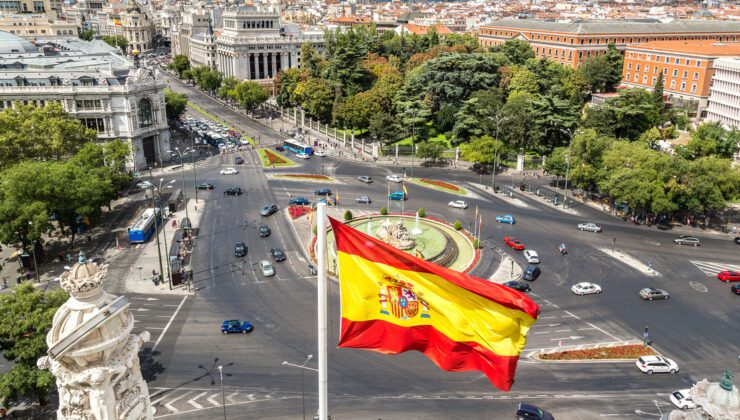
column 398, row 195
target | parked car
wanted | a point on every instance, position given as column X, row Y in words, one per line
column 737, row 239
column 398, row 195
column 459, row 204
column 233, row 191
column 687, row 240
column 236, row 326
column 277, row 254
column 393, row 178
column 531, row 272
column 267, row 269
column 240, row 249
column 735, row 289
column 513, row 243
column 238, row 160
column 302, row 155
column 530, row 412
column 365, row 179
column 591, row 227
column 322, row 191
column 586, row 288
column 651, row 293
column 229, row 171
column 518, row 285
column 363, row 199
column 728, row 276
column 269, row 210
column 298, row 201
column 507, row 218
column 264, row 231
column 682, row 399
column 319, row 153
column 204, row 186
column 656, row 364
column 531, row 256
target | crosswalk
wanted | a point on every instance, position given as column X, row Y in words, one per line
column 180, row 401
column 712, row 268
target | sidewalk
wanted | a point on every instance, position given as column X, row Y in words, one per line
column 507, row 270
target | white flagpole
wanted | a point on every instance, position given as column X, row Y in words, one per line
column 322, row 292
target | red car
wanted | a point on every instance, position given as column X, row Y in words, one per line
column 514, row 243
column 729, row 275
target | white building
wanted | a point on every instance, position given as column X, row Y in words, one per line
column 93, row 84
column 724, row 95
column 203, row 49
column 134, row 25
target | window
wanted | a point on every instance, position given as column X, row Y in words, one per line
column 627, row 78
column 145, row 113
column 698, row 63
column 96, row 124
column 655, row 70
column 637, row 78
column 696, row 75
column 655, row 80
column 675, row 72
column 644, row 79
column 673, row 84
column 683, row 86
column 665, row 71
column 89, row 104
column 693, row 88
column 647, row 69
column 638, row 68
column 629, row 66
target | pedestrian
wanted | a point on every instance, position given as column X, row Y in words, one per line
column 89, row 239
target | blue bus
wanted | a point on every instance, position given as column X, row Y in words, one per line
column 143, row 226
column 297, row 147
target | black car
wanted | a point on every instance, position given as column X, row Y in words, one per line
column 735, row 289
column 278, row 254
column 269, row 210
column 298, row 201
column 238, row 160
column 264, row 231
column 240, row 249
column 531, row 272
column 322, row 191
column 531, row 412
column 233, row 191
column 737, row 239
column 279, row 148
column 205, row 186
column 518, row 285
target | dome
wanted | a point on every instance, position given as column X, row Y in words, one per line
column 10, row 43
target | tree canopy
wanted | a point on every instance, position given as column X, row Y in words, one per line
column 175, row 103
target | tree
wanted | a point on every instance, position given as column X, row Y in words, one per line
column 445, row 118
column 179, row 64
column 615, row 63
column 119, row 41
column 519, row 129
column 658, row 89
column 429, row 150
column 626, row 116
column 311, row 60
column 25, row 318
column 517, row 51
column 227, row 89
column 523, row 81
column 251, row 95
column 603, row 72
column 554, row 119
column 711, row 139
column 356, row 111
column 477, row 115
column 209, row 79
column 287, row 81
column 316, row 97
column 557, row 162
column 87, row 35
column 484, row 150
column 385, row 128
column 175, row 103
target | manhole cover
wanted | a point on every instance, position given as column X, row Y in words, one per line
column 698, row 286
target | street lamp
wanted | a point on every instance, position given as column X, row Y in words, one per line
column 302, row 368
column 498, row 119
column 569, row 132
column 223, row 394
column 157, row 225
column 182, row 171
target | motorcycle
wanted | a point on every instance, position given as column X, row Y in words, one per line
column 563, row 250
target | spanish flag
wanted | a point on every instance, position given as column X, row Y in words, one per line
column 393, row 302
column 117, row 22
column 405, row 191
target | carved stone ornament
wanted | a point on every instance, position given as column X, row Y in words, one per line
column 92, row 353
column 395, row 234
column 714, row 401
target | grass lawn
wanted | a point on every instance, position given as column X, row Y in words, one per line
column 214, row 118
column 434, row 137
column 270, row 159
column 439, row 186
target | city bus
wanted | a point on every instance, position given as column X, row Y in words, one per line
column 143, row 226
column 297, row 147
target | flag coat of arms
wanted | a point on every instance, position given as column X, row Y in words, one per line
column 394, row 302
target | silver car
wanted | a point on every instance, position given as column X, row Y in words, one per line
column 687, row 240
column 591, row 227
column 267, row 268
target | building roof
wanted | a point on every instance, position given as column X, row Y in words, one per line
column 695, row 47
column 422, row 30
column 10, row 43
column 594, row 27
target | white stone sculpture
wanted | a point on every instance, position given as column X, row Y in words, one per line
column 395, row 235
column 714, row 401
column 93, row 354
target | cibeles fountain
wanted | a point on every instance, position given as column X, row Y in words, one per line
column 713, row 401
column 92, row 352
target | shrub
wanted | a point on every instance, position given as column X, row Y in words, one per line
column 314, row 229
column 458, row 225
column 383, row 211
column 421, row 212
column 347, row 215
column 476, row 244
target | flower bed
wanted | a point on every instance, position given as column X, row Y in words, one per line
column 273, row 158
column 270, row 159
column 305, row 176
column 630, row 351
column 440, row 184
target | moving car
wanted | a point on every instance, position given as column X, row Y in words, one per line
column 513, row 243
column 735, row 289
column 319, row 153
column 240, row 249
column 651, row 293
column 398, row 196
column 269, row 210
column 518, row 285
column 277, row 254
column 393, row 178
column 298, row 201
column 302, row 156
column 233, row 191
column 229, row 171
column 586, row 288
column 682, row 399
column 266, row 268
column 728, row 276
column 737, row 239
column 459, row 204
column 322, row 191
column 144, row 185
column 264, row 231
column 365, row 179
column 687, row 240
column 656, row 364
column 530, row 412
column 363, row 199
column 279, row 148
column 205, row 186
column 591, row 227
column 238, row 160
column 531, row 256
column 531, row 272
column 236, row 326
column 507, row 218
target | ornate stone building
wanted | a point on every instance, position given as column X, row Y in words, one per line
column 203, row 49
column 136, row 26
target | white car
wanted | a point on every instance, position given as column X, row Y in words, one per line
column 591, row 227
column 586, row 288
column 266, row 268
column 229, row 171
column 459, row 204
column 656, row 364
column 394, row 178
column 145, row 185
column 302, row 156
column 531, row 256
column 319, row 153
column 682, row 399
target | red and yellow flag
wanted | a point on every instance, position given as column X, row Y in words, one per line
column 405, row 191
column 393, row 302
column 117, row 22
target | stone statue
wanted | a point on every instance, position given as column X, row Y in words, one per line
column 395, row 235
column 93, row 354
column 714, row 401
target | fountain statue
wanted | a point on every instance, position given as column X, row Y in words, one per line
column 93, row 354
column 713, row 401
column 395, row 234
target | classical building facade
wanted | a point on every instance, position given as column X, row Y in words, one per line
column 32, row 25
column 203, row 49
column 103, row 90
column 25, row 6
column 571, row 43
column 190, row 23
column 255, row 46
column 136, row 26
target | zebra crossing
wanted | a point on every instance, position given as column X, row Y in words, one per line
column 712, row 268
column 179, row 402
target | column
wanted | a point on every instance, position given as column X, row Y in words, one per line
column 264, row 65
column 274, row 65
column 335, row 134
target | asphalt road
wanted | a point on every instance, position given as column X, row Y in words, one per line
column 695, row 327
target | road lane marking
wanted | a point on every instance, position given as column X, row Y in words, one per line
column 159, row 339
column 169, row 405
column 192, row 400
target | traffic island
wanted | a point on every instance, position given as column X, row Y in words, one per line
column 439, row 186
column 611, row 352
column 304, row 177
column 271, row 160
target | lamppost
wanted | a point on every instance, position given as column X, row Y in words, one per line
column 303, row 390
column 414, row 115
column 33, row 252
column 498, row 119
column 161, row 223
column 182, row 171
column 569, row 132
column 223, row 394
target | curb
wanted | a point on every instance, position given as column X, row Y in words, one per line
column 536, row 354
